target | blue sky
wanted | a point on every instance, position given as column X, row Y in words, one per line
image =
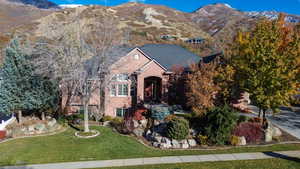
column 289, row 6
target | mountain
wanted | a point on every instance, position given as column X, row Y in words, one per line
column 44, row 4
column 14, row 15
column 274, row 15
column 63, row 6
column 138, row 23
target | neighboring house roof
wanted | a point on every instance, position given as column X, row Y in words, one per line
column 210, row 58
column 169, row 55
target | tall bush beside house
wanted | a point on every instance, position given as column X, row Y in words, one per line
column 220, row 122
column 178, row 128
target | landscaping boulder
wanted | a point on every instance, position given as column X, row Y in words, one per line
column 31, row 128
column 51, row 123
column 138, row 132
column 193, row 132
column 165, row 145
column 276, row 132
column 166, row 140
column 156, row 144
column 184, row 144
column 175, row 144
column 144, row 123
column 135, row 124
column 158, row 139
column 192, row 142
column 148, row 135
column 242, row 141
column 40, row 127
column 156, row 122
column 268, row 135
column 106, row 123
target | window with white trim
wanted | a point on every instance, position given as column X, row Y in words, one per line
column 119, row 90
column 122, row 89
column 113, row 90
column 120, row 112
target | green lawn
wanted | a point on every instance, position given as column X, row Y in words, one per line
column 65, row 147
column 250, row 164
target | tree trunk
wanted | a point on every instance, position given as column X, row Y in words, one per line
column 86, row 116
column 259, row 113
column 264, row 117
column 43, row 116
column 20, row 116
column 65, row 109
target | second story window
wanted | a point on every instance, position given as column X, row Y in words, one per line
column 120, row 77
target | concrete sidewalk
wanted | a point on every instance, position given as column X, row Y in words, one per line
column 289, row 155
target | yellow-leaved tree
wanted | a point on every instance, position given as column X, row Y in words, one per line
column 266, row 62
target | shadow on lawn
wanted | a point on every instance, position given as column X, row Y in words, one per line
column 282, row 156
column 16, row 167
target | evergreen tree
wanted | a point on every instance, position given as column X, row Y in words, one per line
column 20, row 89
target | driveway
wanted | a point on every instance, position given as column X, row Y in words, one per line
column 288, row 119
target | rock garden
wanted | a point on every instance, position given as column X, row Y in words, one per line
column 31, row 126
column 163, row 127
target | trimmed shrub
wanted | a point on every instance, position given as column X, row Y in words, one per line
column 234, row 140
column 220, row 122
column 117, row 121
column 138, row 114
column 106, row 118
column 202, row 140
column 2, row 135
column 253, row 132
column 178, row 128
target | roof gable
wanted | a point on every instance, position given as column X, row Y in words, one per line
column 168, row 55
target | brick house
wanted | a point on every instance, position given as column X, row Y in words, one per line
column 140, row 75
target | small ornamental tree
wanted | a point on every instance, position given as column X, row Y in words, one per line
column 266, row 62
column 202, row 88
column 178, row 128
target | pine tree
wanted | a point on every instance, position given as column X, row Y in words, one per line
column 20, row 89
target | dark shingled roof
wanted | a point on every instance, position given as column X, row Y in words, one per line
column 169, row 55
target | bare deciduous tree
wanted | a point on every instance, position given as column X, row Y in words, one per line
column 79, row 60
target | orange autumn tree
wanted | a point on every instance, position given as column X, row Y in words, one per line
column 202, row 88
column 266, row 63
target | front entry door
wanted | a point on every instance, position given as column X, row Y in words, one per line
column 152, row 90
